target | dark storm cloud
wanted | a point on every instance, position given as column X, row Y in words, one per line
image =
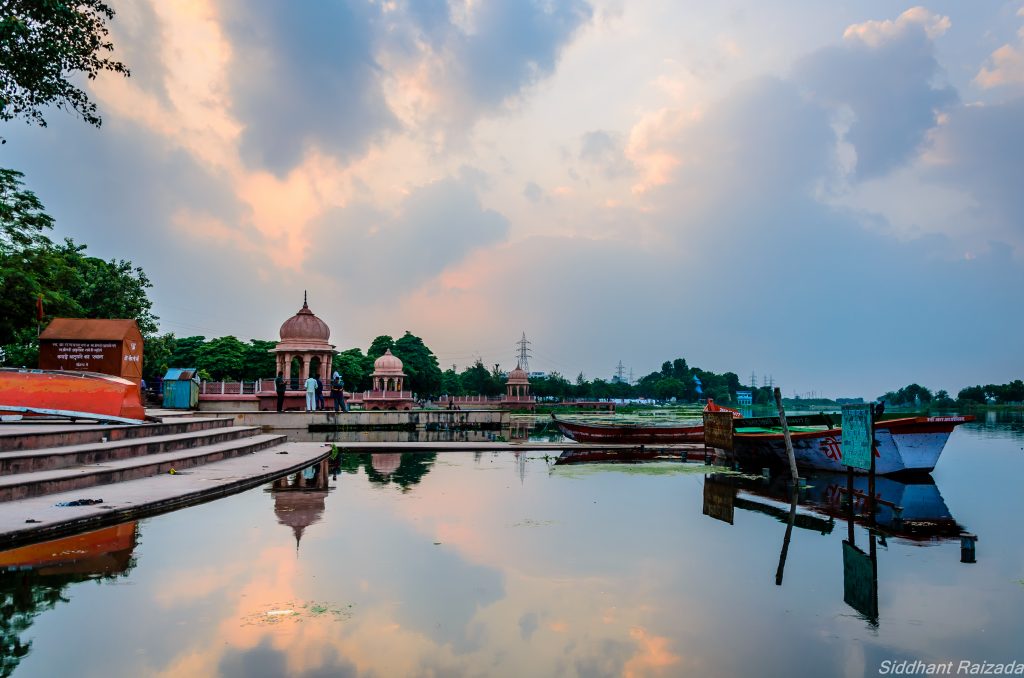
column 513, row 44
column 763, row 141
column 437, row 225
column 305, row 74
column 890, row 89
column 980, row 148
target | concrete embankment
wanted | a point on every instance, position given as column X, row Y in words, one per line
column 61, row 479
column 411, row 420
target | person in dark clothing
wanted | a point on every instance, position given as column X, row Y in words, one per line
column 279, row 385
column 338, row 393
column 319, row 394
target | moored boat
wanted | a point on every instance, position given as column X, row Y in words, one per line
column 76, row 395
column 636, row 434
column 904, row 445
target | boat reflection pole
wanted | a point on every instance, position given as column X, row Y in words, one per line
column 789, row 441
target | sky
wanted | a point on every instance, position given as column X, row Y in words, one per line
column 826, row 193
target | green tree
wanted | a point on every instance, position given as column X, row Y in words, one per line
column 69, row 282
column 24, row 254
column 972, row 394
column 157, row 352
column 185, row 352
column 478, row 380
column 668, row 388
column 107, row 289
column 44, row 44
column 223, row 358
column 379, row 345
column 420, row 363
column 260, row 363
column 451, row 382
column 352, row 365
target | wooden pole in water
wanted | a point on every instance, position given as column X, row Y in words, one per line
column 785, row 434
column 871, row 471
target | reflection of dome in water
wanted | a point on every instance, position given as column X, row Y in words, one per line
column 305, row 326
column 387, row 365
column 298, row 509
column 386, row 464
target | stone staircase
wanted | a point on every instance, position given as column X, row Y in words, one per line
column 60, row 460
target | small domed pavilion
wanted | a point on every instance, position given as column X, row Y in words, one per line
column 387, row 393
column 304, row 344
column 517, row 390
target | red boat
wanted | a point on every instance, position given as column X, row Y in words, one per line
column 75, row 395
column 637, row 434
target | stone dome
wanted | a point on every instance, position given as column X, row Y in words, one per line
column 304, row 326
column 388, row 364
column 518, row 376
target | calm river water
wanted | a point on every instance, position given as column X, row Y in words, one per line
column 466, row 564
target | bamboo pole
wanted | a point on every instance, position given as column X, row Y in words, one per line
column 785, row 435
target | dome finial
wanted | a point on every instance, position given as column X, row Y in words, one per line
column 305, row 299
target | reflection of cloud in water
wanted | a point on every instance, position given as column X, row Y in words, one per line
column 264, row 660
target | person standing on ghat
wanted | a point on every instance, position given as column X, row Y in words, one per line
column 279, row 386
column 310, row 393
column 338, row 392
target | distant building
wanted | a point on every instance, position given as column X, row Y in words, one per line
column 744, row 398
column 538, row 375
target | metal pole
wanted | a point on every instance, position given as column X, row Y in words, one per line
column 871, row 474
column 785, row 434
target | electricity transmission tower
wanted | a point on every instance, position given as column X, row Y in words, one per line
column 523, row 353
column 619, row 371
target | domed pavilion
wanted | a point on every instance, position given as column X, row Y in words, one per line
column 387, row 393
column 517, row 391
column 304, row 349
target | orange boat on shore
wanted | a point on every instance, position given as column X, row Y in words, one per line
column 75, row 395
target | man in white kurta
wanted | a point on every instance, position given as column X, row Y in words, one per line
column 310, row 394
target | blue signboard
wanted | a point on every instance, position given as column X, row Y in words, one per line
column 858, row 438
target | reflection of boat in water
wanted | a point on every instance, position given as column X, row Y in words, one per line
column 908, row 444
column 105, row 551
column 631, row 433
column 626, row 455
column 910, row 508
column 77, row 395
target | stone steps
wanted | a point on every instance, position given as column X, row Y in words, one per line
column 100, row 452
column 89, row 477
column 39, row 436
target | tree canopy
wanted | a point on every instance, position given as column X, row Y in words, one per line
column 70, row 283
column 43, row 45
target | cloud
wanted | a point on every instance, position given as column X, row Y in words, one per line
column 451, row 65
column 884, row 76
column 873, row 33
column 302, row 75
column 436, row 225
column 1006, row 65
column 605, row 150
column 979, row 148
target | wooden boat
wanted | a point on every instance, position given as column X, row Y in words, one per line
column 902, row 445
column 637, row 434
column 75, row 395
